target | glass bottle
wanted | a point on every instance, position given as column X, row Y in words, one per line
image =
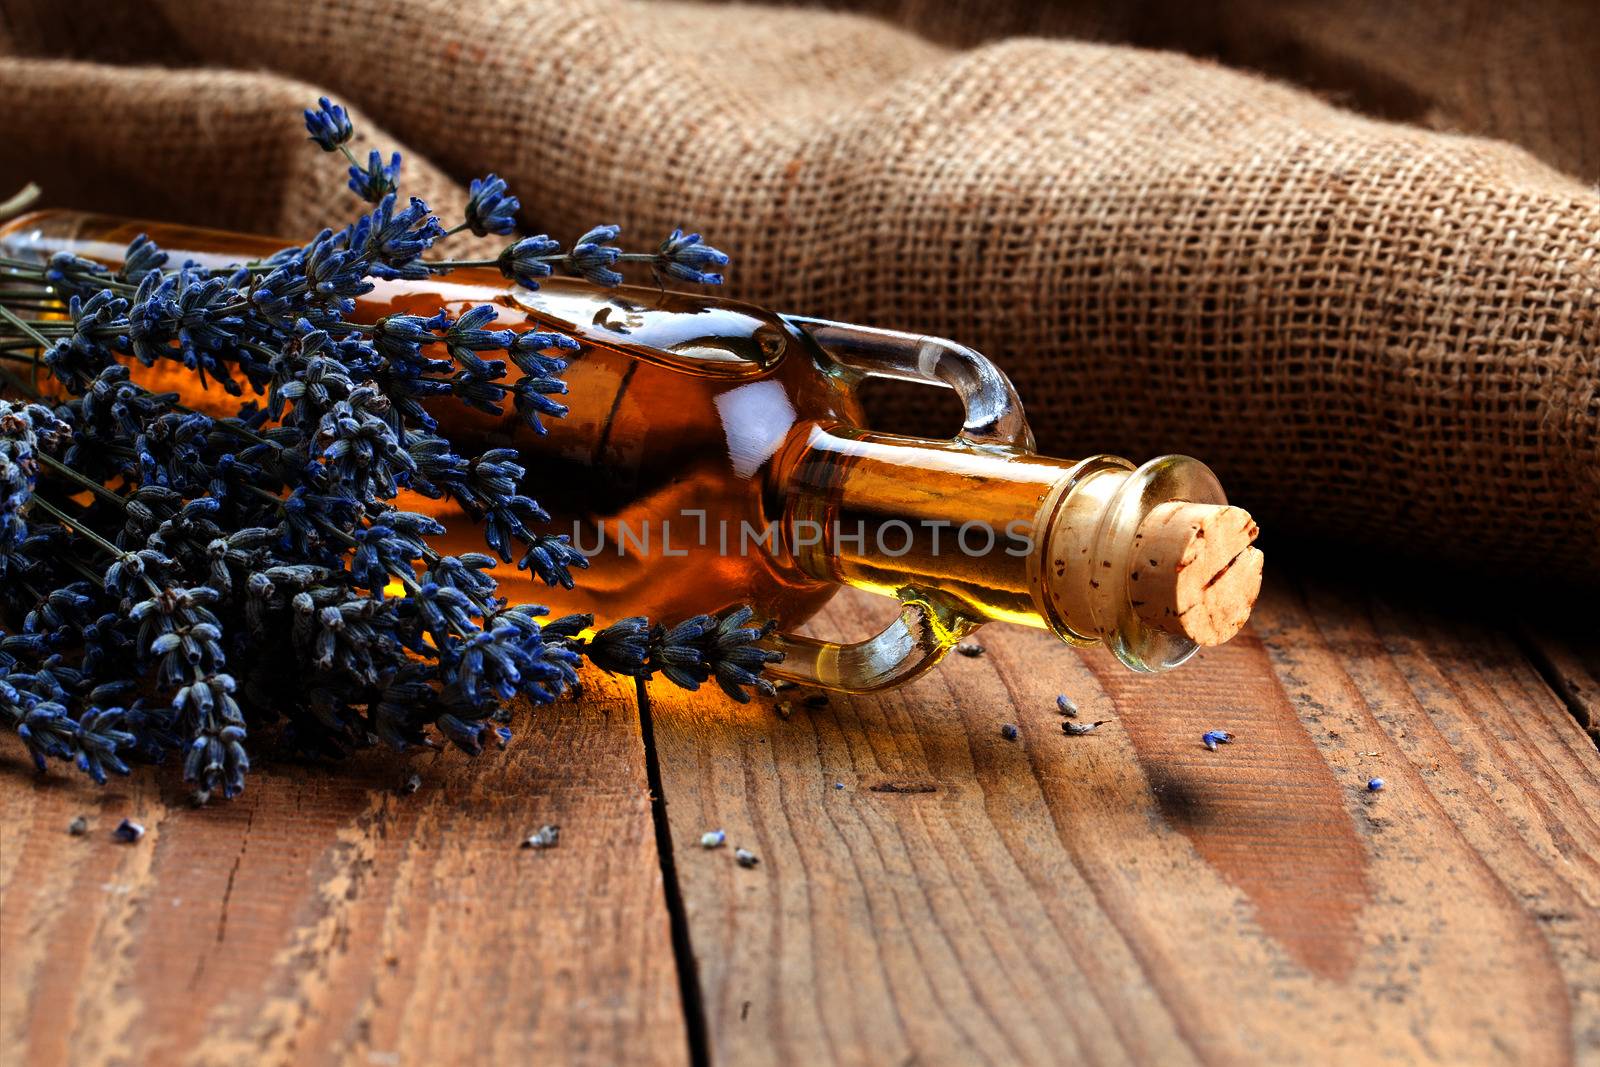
column 716, row 454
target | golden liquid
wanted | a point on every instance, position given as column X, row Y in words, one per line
column 938, row 518
column 710, row 428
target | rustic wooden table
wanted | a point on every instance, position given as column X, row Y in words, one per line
column 927, row 892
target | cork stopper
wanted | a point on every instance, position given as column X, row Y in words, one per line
column 1194, row 570
column 1150, row 562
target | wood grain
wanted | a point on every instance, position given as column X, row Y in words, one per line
column 1129, row 896
column 322, row 918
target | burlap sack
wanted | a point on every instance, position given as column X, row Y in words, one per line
column 1369, row 329
column 1526, row 72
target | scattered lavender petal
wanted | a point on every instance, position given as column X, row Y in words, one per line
column 544, row 837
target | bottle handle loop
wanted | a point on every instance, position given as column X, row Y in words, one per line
column 929, row 625
column 993, row 412
column 926, row 629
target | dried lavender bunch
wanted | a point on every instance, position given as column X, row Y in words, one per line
column 185, row 582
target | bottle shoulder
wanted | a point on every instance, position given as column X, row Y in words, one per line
column 686, row 332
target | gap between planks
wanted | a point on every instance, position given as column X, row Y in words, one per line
column 689, row 992
column 1570, row 667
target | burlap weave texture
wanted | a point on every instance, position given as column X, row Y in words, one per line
column 1370, row 329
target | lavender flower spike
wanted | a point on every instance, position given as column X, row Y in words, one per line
column 686, row 258
column 329, row 125
column 376, row 180
column 490, row 209
column 594, row 256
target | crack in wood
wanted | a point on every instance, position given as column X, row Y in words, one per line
column 694, row 1010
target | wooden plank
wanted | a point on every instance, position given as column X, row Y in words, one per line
column 322, row 918
column 1130, row 896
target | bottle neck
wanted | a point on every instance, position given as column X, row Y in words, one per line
column 905, row 516
column 1092, row 550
